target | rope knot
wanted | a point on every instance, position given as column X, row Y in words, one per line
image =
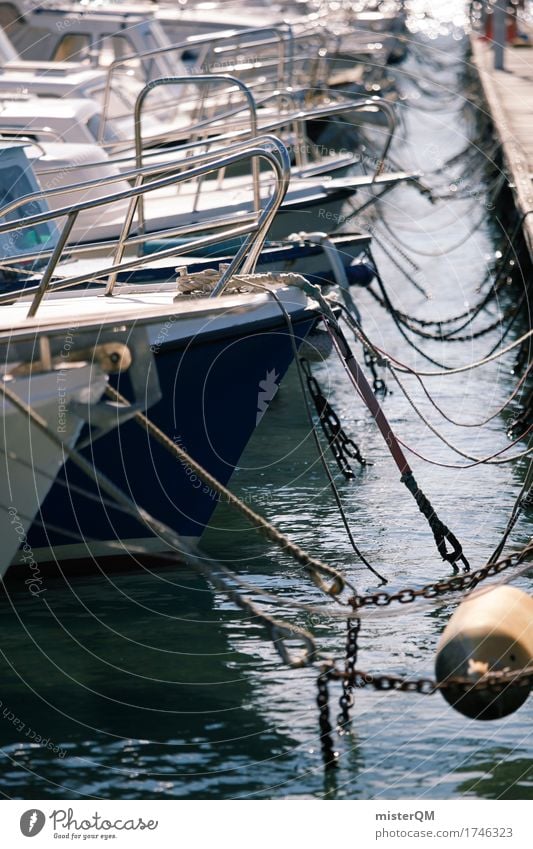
column 441, row 532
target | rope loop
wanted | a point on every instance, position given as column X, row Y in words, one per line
column 441, row 532
column 455, row 554
column 280, row 632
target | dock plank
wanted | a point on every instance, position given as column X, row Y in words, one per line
column 509, row 96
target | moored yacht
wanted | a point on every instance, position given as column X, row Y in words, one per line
column 221, row 345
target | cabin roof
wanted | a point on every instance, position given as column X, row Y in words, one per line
column 11, row 144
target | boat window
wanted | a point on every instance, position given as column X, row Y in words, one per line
column 119, row 125
column 112, row 132
column 9, row 15
column 73, row 46
column 122, row 46
column 14, row 184
column 121, row 99
column 117, row 47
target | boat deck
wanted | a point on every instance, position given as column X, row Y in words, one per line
column 509, row 97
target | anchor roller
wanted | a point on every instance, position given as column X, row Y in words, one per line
column 491, row 631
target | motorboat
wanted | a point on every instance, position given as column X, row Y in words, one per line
column 221, row 342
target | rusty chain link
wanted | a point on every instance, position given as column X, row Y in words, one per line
column 350, row 678
column 341, row 445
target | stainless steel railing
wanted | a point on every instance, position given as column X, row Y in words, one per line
column 283, row 34
column 205, row 80
column 294, row 119
column 267, row 148
column 312, row 38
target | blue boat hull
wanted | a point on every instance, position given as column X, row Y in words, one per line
column 214, row 388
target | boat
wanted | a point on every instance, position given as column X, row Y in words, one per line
column 221, row 345
column 210, row 107
column 51, row 388
column 57, row 397
column 281, row 62
column 314, row 254
column 314, row 201
column 93, row 33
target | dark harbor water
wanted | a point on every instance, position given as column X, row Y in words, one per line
column 152, row 685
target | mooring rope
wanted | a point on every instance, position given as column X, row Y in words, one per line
column 403, row 367
column 280, row 631
column 208, row 284
column 467, row 317
column 400, row 320
column 476, row 460
column 301, row 368
column 312, row 565
column 358, row 331
column 397, row 265
column 392, row 311
column 490, row 459
column 442, row 534
column 523, row 499
column 492, row 416
column 450, row 336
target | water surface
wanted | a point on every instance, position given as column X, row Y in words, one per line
column 151, row 685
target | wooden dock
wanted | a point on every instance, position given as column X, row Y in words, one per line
column 509, row 97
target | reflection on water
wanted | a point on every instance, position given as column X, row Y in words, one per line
column 499, row 773
column 149, row 685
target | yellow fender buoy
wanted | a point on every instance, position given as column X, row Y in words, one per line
column 491, row 630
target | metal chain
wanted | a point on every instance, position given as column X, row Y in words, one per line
column 519, row 424
column 329, row 755
column 341, row 445
column 523, row 500
column 360, row 679
column 466, row 581
column 371, row 361
column 495, row 681
column 350, row 678
column 353, row 627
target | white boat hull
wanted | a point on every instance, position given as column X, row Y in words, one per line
column 30, row 459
